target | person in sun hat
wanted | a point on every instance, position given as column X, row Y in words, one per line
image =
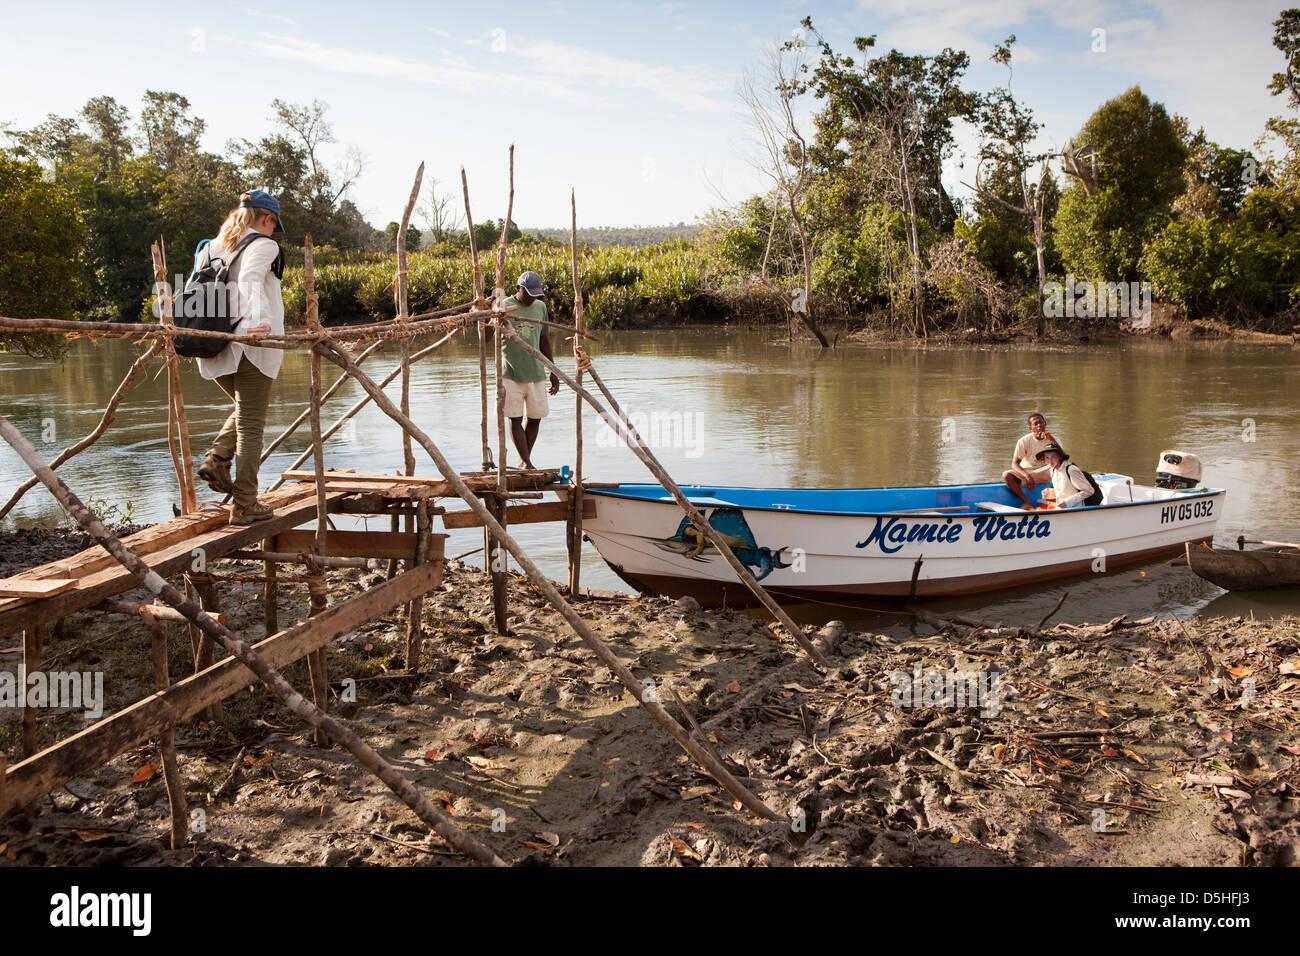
column 245, row 372
column 524, row 376
column 1071, row 485
column 1026, row 471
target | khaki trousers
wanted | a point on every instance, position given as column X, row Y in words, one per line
column 241, row 436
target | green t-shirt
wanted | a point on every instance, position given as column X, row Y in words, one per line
column 519, row 365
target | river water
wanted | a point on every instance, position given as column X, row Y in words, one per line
column 744, row 407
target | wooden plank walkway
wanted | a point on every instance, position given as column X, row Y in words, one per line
column 168, row 548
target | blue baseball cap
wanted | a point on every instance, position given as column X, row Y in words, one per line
column 261, row 199
column 531, row 283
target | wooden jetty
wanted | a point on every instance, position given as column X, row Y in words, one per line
column 192, row 546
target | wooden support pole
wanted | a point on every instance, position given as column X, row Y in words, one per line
column 454, row 317
column 106, row 419
column 486, row 461
column 316, row 585
column 579, row 357
column 271, row 594
column 133, row 609
column 369, row 758
column 403, row 310
column 167, row 737
column 205, row 649
column 414, row 610
column 33, row 647
column 318, row 596
column 647, row 457
column 500, row 608
column 177, row 424
column 643, row 693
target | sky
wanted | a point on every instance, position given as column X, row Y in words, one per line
column 634, row 105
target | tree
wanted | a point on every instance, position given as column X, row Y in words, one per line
column 892, row 119
column 168, row 131
column 41, row 237
column 783, row 158
column 291, row 165
column 109, row 123
column 440, row 212
column 1008, row 130
column 1286, row 37
column 1216, row 179
column 55, row 142
column 390, row 237
column 1142, row 154
column 488, row 233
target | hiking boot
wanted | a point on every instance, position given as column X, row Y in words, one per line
column 216, row 472
column 247, row 514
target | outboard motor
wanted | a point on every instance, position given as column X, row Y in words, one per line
column 1178, row 470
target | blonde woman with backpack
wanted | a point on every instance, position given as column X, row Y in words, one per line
column 244, row 372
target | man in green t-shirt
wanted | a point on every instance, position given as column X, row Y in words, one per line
column 524, row 376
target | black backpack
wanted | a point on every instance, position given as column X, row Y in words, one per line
column 1096, row 496
column 206, row 303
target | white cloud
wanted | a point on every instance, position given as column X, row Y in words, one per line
column 277, row 17
column 522, row 66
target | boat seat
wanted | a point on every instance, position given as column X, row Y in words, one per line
column 996, row 506
column 705, row 502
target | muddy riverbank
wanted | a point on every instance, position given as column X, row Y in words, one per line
column 939, row 744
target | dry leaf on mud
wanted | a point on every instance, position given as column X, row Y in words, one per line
column 733, row 687
column 147, row 772
column 90, row 836
column 446, row 803
column 545, row 841
column 684, row 851
column 1241, row 671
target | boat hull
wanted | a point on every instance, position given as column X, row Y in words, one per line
column 1262, row 570
column 804, row 555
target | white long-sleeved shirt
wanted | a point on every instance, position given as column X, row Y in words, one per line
column 1070, row 486
column 260, row 302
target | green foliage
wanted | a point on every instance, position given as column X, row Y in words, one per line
column 620, row 284
column 1142, row 154
column 41, row 237
column 412, row 237
column 487, row 234
column 1248, row 266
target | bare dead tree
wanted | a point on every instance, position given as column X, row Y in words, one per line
column 781, row 154
column 1082, row 163
column 439, row 212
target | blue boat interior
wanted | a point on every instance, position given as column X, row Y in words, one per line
column 945, row 499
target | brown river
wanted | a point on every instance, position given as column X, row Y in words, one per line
column 744, row 407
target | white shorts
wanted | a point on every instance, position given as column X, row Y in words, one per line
column 530, row 396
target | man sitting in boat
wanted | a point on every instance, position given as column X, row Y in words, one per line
column 1026, row 463
column 1070, row 483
